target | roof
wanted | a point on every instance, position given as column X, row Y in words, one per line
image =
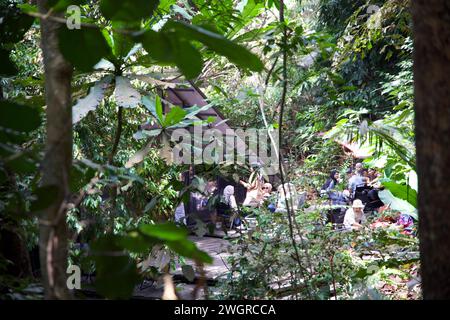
column 190, row 96
column 355, row 149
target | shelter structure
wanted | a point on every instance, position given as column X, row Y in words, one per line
column 189, row 95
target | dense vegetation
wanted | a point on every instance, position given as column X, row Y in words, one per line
column 77, row 167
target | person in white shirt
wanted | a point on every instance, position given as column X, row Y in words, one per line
column 354, row 216
column 357, row 180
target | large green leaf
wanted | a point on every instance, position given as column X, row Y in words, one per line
column 166, row 231
column 188, row 59
column 7, row 67
column 159, row 46
column 168, row 49
column 116, row 272
column 154, row 106
column 22, row 163
column 13, row 24
column 18, row 117
column 175, row 115
column 216, row 42
column 128, row 10
column 403, row 192
column 397, row 204
column 134, row 242
column 61, row 5
column 84, row 48
column 122, row 43
column 79, row 177
column 188, row 249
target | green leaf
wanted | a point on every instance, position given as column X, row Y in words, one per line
column 188, row 59
column 46, row 196
column 22, row 164
column 13, row 25
column 128, row 10
column 122, row 44
column 188, row 249
column 403, row 192
column 175, row 115
column 397, row 204
column 165, row 231
column 159, row 46
column 134, row 242
column 83, row 48
column 18, row 117
column 116, row 272
column 7, row 67
column 80, row 177
column 3, row 176
column 216, row 42
column 61, row 5
column 155, row 107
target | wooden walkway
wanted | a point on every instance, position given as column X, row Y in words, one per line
column 216, row 247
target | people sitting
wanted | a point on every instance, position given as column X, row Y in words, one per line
column 387, row 218
column 267, row 190
column 374, row 178
column 374, row 202
column 357, row 180
column 227, row 208
column 339, row 201
column 267, row 193
column 331, row 183
column 354, row 216
column 254, row 192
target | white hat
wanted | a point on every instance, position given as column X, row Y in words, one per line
column 357, row 204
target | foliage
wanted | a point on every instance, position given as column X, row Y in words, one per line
column 263, row 264
column 350, row 79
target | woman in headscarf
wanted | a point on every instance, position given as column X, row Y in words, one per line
column 227, row 208
column 332, row 182
column 229, row 199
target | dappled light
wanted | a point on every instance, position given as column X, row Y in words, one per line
column 224, row 150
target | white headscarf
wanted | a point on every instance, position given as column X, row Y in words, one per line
column 228, row 194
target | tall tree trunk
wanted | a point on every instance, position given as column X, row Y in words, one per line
column 57, row 161
column 431, row 20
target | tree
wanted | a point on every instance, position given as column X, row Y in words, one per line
column 57, row 161
column 432, row 94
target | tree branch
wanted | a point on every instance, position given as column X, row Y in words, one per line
column 117, row 137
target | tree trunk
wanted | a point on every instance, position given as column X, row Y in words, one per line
column 57, row 161
column 431, row 20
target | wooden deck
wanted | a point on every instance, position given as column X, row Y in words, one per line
column 216, row 247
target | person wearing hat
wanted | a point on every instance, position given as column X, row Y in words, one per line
column 354, row 216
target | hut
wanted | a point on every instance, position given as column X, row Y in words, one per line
column 188, row 95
